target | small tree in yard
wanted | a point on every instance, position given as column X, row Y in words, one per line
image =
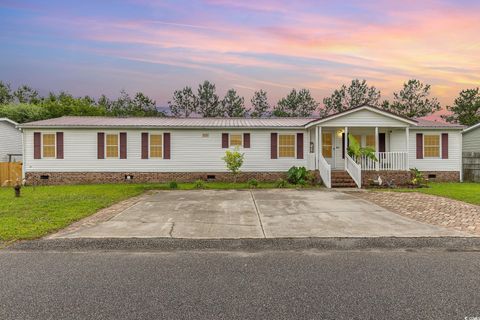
column 234, row 161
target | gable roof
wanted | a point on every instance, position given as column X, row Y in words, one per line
column 139, row 122
column 9, row 121
column 363, row 107
column 475, row 126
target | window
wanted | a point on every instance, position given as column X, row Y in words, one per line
column 371, row 141
column 49, row 145
column 286, row 145
column 431, row 146
column 112, row 145
column 358, row 138
column 235, row 139
column 156, row 146
column 327, row 145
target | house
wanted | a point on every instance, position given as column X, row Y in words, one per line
column 11, row 141
column 471, row 153
column 101, row 149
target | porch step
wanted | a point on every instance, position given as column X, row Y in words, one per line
column 341, row 179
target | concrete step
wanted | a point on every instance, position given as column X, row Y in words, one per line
column 341, row 179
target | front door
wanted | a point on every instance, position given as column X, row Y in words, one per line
column 327, row 147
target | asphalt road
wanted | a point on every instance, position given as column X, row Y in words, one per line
column 309, row 284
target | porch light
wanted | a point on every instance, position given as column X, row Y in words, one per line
column 340, row 132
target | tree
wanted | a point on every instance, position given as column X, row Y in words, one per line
column 465, row 109
column 296, row 104
column 412, row 101
column 22, row 113
column 357, row 94
column 208, row 104
column 26, row 94
column 234, row 161
column 140, row 106
column 184, row 103
column 233, row 105
column 260, row 104
column 6, row 95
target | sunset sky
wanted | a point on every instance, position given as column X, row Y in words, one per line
column 94, row 47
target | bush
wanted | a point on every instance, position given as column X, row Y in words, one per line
column 311, row 178
column 281, row 183
column 418, row 179
column 173, row 185
column 297, row 175
column 252, row 183
column 234, row 161
column 199, row 184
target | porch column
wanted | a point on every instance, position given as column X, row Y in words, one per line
column 407, row 145
column 317, row 146
column 346, row 146
column 376, row 149
column 320, row 141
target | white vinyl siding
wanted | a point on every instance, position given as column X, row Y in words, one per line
column 453, row 163
column 191, row 151
column 364, row 118
column 11, row 140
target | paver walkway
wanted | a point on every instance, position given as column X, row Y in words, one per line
column 427, row 208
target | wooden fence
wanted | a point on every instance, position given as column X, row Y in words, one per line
column 10, row 172
column 471, row 166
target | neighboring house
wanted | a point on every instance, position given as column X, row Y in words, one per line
column 10, row 141
column 99, row 149
column 471, row 153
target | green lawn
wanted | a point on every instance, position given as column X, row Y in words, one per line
column 42, row 210
column 467, row 192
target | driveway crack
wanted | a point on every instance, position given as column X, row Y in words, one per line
column 171, row 230
column 258, row 213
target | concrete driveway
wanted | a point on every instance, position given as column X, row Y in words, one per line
column 203, row 214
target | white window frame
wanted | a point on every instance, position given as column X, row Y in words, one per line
column 54, row 145
column 294, row 145
column 439, row 145
column 241, row 138
column 150, row 144
column 118, row 145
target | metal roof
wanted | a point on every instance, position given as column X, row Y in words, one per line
column 472, row 127
column 423, row 123
column 133, row 122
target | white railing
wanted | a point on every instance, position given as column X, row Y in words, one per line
column 311, row 161
column 325, row 171
column 354, row 170
column 386, row 161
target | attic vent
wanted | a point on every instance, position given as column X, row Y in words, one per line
column 204, row 135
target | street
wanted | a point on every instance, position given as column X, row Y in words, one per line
column 290, row 284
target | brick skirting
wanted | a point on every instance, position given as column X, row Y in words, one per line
column 404, row 177
column 56, row 178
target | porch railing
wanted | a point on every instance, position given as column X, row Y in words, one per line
column 325, row 171
column 386, row 161
column 354, row 170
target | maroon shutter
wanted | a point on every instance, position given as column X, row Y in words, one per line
column 246, row 140
column 37, row 145
column 381, row 142
column 419, row 146
column 166, row 145
column 100, row 145
column 59, row 145
column 299, row 145
column 224, row 140
column 444, row 145
column 123, row 145
column 343, row 145
column 273, row 146
column 144, row 145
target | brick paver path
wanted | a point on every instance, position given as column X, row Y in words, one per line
column 427, row 208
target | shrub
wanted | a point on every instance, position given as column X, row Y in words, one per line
column 252, row 183
column 297, row 175
column 281, row 183
column 199, row 184
column 234, row 161
column 173, row 185
column 311, row 178
column 418, row 180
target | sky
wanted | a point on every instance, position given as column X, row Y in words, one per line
column 94, row 47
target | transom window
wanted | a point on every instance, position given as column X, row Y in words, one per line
column 49, row 145
column 156, row 145
column 112, row 145
column 235, row 139
column 370, row 140
column 327, row 145
column 431, row 146
column 286, row 145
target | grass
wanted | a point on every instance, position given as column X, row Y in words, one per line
column 42, row 210
column 467, row 192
